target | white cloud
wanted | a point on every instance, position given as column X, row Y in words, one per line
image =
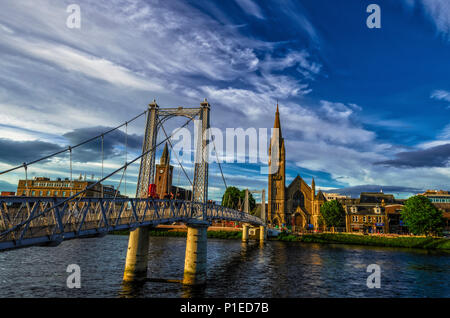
column 251, row 8
column 445, row 134
column 441, row 95
column 438, row 11
column 88, row 65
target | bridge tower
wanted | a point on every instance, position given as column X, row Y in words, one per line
column 138, row 244
column 196, row 244
column 195, row 261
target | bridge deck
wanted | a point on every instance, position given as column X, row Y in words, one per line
column 27, row 221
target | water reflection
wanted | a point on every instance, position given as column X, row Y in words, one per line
column 193, row 291
column 132, row 290
column 276, row 269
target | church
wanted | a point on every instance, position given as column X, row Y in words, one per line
column 296, row 205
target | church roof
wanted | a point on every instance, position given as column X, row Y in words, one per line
column 320, row 196
column 293, row 182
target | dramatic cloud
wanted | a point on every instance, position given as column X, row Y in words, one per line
column 57, row 81
column 438, row 156
column 17, row 152
column 355, row 191
column 111, row 142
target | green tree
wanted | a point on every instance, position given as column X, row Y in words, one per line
column 422, row 217
column 333, row 214
column 233, row 196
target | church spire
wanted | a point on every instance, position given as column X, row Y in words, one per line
column 313, row 187
column 277, row 121
column 165, row 159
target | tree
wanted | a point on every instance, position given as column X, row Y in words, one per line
column 422, row 217
column 233, row 196
column 333, row 214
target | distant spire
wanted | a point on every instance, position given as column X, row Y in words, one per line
column 165, row 159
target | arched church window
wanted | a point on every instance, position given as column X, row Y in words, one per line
column 298, row 200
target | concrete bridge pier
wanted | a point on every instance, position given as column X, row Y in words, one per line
column 195, row 259
column 245, row 233
column 137, row 255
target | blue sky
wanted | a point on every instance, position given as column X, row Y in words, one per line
column 358, row 106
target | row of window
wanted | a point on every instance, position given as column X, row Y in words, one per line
column 440, row 200
column 53, row 184
column 370, row 219
column 354, row 209
column 35, row 193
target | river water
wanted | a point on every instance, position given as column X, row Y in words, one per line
column 278, row 269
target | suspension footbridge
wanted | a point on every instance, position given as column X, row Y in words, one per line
column 29, row 221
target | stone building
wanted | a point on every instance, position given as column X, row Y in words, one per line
column 44, row 187
column 335, row 196
column 297, row 205
column 373, row 212
column 164, row 178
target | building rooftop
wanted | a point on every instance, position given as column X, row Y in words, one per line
column 435, row 192
column 376, row 197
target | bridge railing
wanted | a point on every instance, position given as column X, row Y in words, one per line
column 30, row 220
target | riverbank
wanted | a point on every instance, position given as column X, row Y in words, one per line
column 429, row 243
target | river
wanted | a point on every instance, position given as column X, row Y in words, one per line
column 278, row 269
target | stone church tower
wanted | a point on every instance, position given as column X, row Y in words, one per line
column 163, row 175
column 297, row 205
column 276, row 213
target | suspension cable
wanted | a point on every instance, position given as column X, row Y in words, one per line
column 92, row 185
column 218, row 162
column 120, row 182
column 76, row 146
